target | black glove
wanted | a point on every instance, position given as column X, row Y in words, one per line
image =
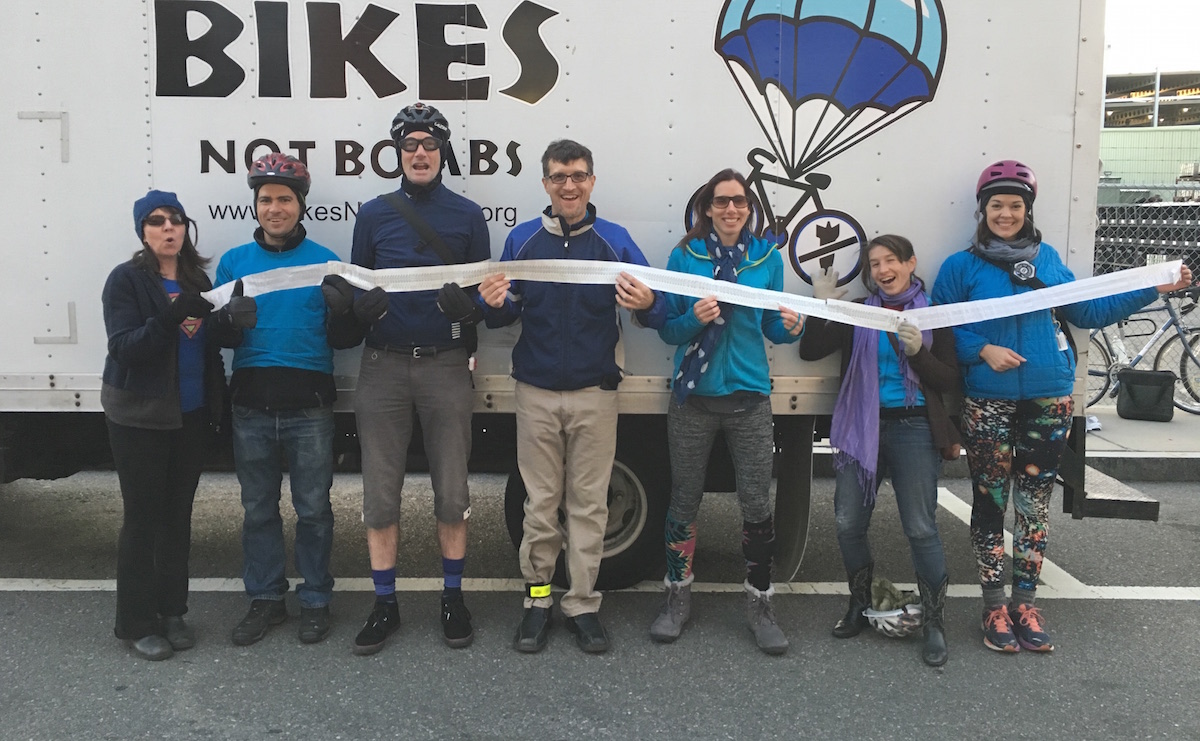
column 187, row 305
column 241, row 312
column 458, row 306
column 371, row 306
column 338, row 294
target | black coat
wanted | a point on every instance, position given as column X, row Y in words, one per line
column 143, row 345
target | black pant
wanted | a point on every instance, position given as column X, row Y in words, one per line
column 159, row 471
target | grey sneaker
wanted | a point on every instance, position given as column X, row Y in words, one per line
column 675, row 612
column 761, row 617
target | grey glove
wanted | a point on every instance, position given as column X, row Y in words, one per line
column 187, row 305
column 825, row 285
column 241, row 312
column 910, row 338
column 458, row 306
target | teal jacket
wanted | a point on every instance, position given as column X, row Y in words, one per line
column 739, row 361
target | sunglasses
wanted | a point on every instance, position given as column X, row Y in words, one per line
column 559, row 178
column 159, row 219
column 724, row 201
column 429, row 144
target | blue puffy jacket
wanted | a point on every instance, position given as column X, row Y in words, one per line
column 739, row 360
column 568, row 332
column 1047, row 371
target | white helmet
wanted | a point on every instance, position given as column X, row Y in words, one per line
column 893, row 613
column 899, row 623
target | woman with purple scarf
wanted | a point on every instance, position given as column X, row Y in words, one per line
column 889, row 420
column 722, row 384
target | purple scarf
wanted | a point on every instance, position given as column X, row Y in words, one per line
column 855, row 432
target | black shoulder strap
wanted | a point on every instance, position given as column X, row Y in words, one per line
column 428, row 235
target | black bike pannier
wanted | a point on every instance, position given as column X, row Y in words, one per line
column 1146, row 395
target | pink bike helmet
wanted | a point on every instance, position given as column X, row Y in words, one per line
column 1008, row 177
column 277, row 167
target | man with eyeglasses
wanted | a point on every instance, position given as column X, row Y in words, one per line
column 416, row 362
column 567, row 374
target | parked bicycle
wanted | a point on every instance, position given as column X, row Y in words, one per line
column 1108, row 353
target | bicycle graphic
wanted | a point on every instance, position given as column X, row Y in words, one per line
column 820, row 81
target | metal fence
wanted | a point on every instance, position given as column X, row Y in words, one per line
column 1133, row 235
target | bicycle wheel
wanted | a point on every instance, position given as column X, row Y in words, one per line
column 1099, row 362
column 1172, row 356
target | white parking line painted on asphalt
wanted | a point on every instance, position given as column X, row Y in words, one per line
column 1055, row 581
column 1153, row 594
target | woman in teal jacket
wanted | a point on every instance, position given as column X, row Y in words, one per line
column 722, row 383
column 1018, row 375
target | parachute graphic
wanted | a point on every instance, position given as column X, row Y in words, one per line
column 822, row 75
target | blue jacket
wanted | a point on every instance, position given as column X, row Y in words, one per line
column 291, row 324
column 384, row 239
column 739, row 360
column 568, row 332
column 1047, row 371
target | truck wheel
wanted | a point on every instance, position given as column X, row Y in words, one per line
column 633, row 540
column 793, row 493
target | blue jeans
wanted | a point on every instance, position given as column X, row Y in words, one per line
column 906, row 455
column 261, row 442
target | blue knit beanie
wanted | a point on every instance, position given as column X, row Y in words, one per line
column 145, row 206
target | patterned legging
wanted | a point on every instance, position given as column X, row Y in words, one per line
column 1021, row 442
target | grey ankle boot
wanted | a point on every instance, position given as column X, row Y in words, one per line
column 675, row 612
column 860, row 599
column 933, row 605
column 761, row 617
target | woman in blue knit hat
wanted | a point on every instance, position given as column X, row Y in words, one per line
column 163, row 387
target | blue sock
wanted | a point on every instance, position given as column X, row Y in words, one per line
column 385, row 584
column 452, row 571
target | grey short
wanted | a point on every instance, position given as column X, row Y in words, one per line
column 392, row 387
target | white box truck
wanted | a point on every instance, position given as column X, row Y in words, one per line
column 850, row 117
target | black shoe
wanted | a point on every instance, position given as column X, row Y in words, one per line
column 262, row 615
column 456, row 623
column 152, row 647
column 314, row 624
column 933, row 603
column 534, row 631
column 179, row 634
column 381, row 623
column 860, row 599
column 589, row 633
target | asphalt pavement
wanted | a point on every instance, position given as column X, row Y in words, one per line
column 1121, row 599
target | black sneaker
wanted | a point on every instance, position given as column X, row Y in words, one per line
column 381, row 623
column 314, row 624
column 589, row 633
column 262, row 615
column 179, row 634
column 534, row 630
column 456, row 622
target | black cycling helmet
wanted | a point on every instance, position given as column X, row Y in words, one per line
column 276, row 167
column 420, row 117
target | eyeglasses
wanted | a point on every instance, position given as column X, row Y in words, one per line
column 158, row 219
column 559, row 178
column 724, row 201
column 429, row 144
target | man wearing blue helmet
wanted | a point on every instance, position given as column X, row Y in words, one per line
column 416, row 363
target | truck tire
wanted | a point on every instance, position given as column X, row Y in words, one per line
column 793, row 493
column 637, row 508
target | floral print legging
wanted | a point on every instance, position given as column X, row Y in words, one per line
column 1022, row 442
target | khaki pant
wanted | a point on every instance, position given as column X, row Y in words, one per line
column 566, row 442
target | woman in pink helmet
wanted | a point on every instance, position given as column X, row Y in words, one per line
column 1018, row 376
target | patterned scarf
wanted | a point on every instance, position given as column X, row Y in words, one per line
column 695, row 359
column 855, row 431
